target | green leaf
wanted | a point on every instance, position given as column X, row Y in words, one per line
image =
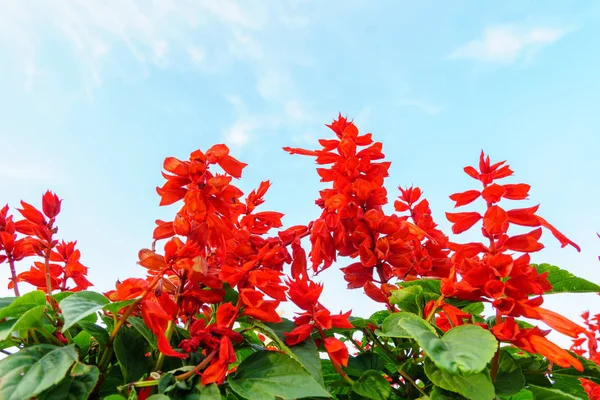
column 210, row 392
column 465, row 348
column 510, row 379
column 308, row 355
column 111, row 382
column 378, row 316
column 32, row 370
column 268, row 375
column 475, row 308
column 391, row 327
column 21, row 304
column 474, row 387
column 372, row 386
column 130, row 351
column 143, row 329
column 114, row 397
column 569, row 385
column 61, row 295
column 83, row 341
column 277, row 335
column 563, row 281
column 364, row 362
column 159, row 397
column 99, row 333
column 440, row 394
column 591, row 370
column 522, row 395
column 284, row 326
column 30, row 319
column 428, row 285
column 6, row 301
column 118, row 305
column 76, row 386
column 79, row 305
column 409, row 299
column 545, row 393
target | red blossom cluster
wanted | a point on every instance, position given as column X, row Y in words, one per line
column 591, row 340
column 217, row 241
column 305, row 293
column 37, row 229
column 491, row 272
column 353, row 223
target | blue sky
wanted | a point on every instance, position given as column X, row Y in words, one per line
column 95, row 94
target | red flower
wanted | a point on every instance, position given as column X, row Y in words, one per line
column 157, row 319
column 337, row 350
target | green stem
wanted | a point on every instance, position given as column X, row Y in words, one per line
column 409, row 379
column 149, row 383
column 48, row 336
column 198, row 367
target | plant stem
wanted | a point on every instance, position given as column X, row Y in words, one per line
column 13, row 275
column 48, row 336
column 408, row 378
column 495, row 361
column 198, row 367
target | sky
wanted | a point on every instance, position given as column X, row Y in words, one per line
column 95, row 94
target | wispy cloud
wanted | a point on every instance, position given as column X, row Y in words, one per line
column 27, row 173
column 508, row 43
column 423, row 106
column 207, row 37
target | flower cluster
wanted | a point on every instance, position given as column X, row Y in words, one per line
column 353, row 223
column 491, row 272
column 217, row 241
column 61, row 261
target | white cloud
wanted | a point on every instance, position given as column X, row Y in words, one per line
column 27, row 173
column 508, row 43
column 208, row 37
column 422, row 106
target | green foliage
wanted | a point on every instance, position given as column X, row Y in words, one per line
column 466, row 348
column 563, row 281
column 372, row 385
column 364, row 362
column 14, row 307
column 130, row 350
column 140, row 326
column 391, row 325
column 31, row 318
column 476, row 386
column 510, row 379
column 34, row 369
column 80, row 305
column 76, row 386
column 410, row 299
column 268, row 375
column 551, row 393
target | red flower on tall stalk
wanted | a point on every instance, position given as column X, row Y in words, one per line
column 490, row 272
column 354, row 224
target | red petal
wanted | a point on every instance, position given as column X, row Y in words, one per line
column 463, row 221
column 465, row 198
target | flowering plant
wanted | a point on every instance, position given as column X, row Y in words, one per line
column 204, row 321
